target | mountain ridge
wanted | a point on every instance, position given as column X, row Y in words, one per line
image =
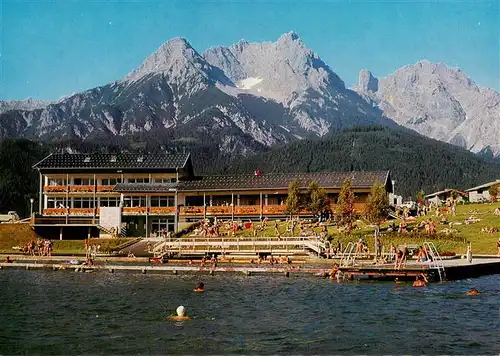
column 179, row 93
column 437, row 101
column 252, row 95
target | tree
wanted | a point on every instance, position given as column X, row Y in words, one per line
column 293, row 199
column 317, row 200
column 420, row 197
column 344, row 212
column 494, row 190
column 377, row 204
column 18, row 180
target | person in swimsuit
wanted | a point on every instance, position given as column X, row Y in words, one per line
column 420, row 281
column 181, row 314
column 333, row 271
column 473, row 291
column 199, row 287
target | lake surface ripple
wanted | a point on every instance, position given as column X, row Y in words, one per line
column 47, row 312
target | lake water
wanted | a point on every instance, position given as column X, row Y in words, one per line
column 47, row 312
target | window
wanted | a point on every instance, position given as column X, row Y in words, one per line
column 135, row 201
column 140, row 159
column 86, row 160
column 162, row 201
column 113, row 158
column 164, row 180
column 110, row 181
column 138, row 180
column 158, row 226
column 82, row 181
column 56, row 203
column 57, row 181
column 81, row 203
column 109, row 201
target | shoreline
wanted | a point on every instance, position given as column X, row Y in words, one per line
column 457, row 268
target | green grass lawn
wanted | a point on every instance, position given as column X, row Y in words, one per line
column 12, row 235
column 78, row 246
column 481, row 242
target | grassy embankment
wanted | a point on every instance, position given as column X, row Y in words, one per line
column 12, row 235
column 456, row 241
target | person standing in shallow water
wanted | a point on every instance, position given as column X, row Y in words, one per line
column 469, row 252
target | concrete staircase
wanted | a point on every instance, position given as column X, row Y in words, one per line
column 232, row 246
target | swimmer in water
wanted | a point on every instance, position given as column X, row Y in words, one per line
column 199, row 287
column 420, row 281
column 181, row 314
column 473, row 291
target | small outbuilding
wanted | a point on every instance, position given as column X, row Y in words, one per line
column 439, row 198
column 481, row 193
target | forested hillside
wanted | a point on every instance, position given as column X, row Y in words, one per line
column 416, row 162
column 18, row 181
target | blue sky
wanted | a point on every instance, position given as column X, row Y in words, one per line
column 54, row 48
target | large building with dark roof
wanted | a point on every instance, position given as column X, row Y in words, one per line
column 143, row 194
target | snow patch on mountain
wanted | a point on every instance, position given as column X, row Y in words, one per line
column 249, row 83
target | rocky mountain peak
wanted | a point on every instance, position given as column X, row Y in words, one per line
column 440, row 102
column 281, row 70
column 172, row 58
column 26, row 104
column 289, row 37
column 367, row 82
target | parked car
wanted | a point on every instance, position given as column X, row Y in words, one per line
column 9, row 217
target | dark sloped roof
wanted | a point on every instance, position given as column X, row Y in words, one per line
column 112, row 161
column 264, row 181
column 483, row 186
column 145, row 187
column 282, row 180
column 445, row 192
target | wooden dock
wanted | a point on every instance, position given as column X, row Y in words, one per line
column 454, row 269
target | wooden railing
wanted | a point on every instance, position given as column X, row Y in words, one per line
column 105, row 188
column 243, row 210
column 55, row 211
column 162, row 210
column 219, row 210
column 55, row 188
column 82, row 188
column 191, row 210
column 247, row 210
column 274, row 209
column 137, row 210
column 81, row 211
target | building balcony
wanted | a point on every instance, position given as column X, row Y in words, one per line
column 55, row 211
column 82, row 188
column 55, row 188
column 191, row 211
column 82, row 211
column 105, row 188
column 247, row 210
column 137, row 210
column 219, row 210
column 162, row 210
column 274, row 210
